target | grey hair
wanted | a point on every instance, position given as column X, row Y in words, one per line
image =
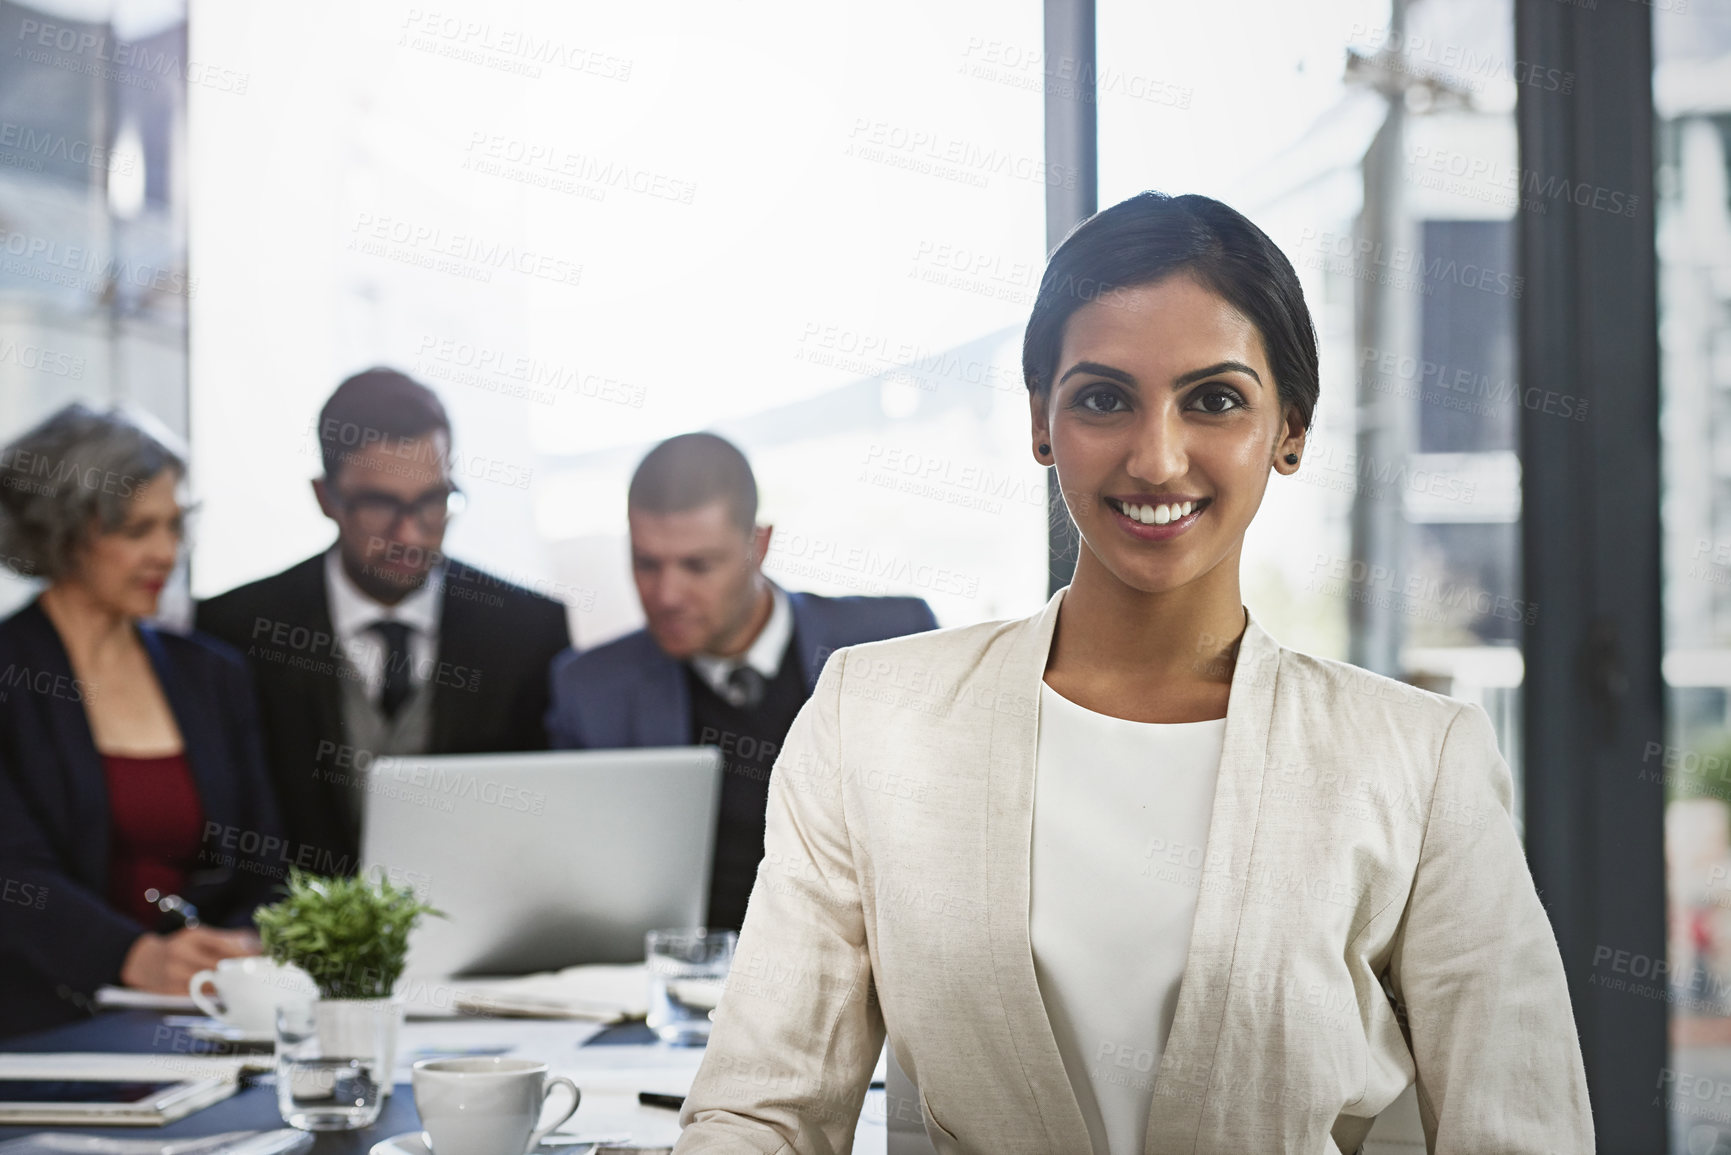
column 75, row 473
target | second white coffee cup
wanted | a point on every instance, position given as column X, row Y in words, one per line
column 248, row 991
column 486, row 1106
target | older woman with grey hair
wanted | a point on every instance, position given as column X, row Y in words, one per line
column 136, row 818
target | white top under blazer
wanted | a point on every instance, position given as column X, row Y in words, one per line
column 1366, row 920
column 1121, row 814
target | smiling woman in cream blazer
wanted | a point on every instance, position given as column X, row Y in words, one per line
column 1128, row 875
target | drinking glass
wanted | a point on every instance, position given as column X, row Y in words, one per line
column 687, row 970
column 332, row 1062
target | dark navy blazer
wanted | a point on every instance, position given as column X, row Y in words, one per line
column 489, row 687
column 628, row 693
column 59, row 938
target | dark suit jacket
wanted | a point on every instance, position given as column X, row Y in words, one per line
column 59, row 938
column 489, row 687
column 628, row 693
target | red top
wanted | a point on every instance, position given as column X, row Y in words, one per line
column 155, row 823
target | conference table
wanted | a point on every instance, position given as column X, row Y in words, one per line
column 610, row 1065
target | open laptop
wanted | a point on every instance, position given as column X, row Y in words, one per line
column 544, row 860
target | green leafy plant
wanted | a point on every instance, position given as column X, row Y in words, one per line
column 350, row 934
column 1698, row 765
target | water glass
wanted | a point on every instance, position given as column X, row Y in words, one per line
column 687, row 971
column 332, row 1062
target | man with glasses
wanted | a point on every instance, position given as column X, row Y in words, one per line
column 383, row 644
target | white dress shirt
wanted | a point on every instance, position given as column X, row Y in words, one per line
column 353, row 611
column 763, row 655
column 1120, row 832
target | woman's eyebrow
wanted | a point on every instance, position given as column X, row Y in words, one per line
column 1182, row 380
column 1099, row 370
column 1221, row 367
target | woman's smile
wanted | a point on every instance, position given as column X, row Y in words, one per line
column 1156, row 519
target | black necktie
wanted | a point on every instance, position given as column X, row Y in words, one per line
column 745, row 687
column 397, row 686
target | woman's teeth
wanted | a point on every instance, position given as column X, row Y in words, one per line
column 1156, row 514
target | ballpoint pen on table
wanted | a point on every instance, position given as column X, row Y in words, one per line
column 675, row 1102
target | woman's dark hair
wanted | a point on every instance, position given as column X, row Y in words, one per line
column 1150, row 237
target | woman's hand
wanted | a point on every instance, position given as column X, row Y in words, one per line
column 165, row 963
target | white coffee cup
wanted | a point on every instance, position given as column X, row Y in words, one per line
column 249, row 990
column 486, row 1106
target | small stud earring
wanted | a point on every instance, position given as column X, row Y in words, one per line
column 1044, row 449
column 1292, row 459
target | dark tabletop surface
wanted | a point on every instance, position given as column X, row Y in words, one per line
column 253, row 1108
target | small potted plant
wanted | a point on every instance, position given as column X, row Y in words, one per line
column 351, row 935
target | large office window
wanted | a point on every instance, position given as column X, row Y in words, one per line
column 1692, row 57
column 94, row 285
column 1375, row 142
column 814, row 229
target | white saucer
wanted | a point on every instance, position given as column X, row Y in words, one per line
column 408, row 1143
column 210, row 1030
column 214, row 1031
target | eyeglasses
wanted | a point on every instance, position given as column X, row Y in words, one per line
column 379, row 513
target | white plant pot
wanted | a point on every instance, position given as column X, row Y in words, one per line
column 346, row 1026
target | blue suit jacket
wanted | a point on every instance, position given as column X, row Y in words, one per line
column 59, row 937
column 628, row 693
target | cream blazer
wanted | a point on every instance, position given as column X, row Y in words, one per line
column 1366, row 918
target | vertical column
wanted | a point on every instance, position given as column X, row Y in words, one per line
column 1072, row 195
column 1590, row 532
column 1387, row 319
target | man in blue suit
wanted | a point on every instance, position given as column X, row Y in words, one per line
column 727, row 657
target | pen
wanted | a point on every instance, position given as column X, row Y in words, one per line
column 177, row 913
column 675, row 1102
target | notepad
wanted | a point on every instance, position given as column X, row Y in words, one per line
column 125, row 998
